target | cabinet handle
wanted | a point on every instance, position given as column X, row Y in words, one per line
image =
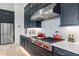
column 76, row 18
column 43, row 54
column 61, row 53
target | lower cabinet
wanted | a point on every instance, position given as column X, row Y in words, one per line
column 32, row 49
column 38, row 51
column 22, row 41
column 46, row 53
column 35, row 50
column 61, row 52
column 26, row 44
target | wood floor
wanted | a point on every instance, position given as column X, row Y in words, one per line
column 11, row 50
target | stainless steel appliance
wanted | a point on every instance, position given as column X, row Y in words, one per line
column 6, row 33
column 42, row 43
column 45, row 43
column 45, row 13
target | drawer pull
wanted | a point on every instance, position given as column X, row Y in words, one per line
column 61, row 53
column 43, row 54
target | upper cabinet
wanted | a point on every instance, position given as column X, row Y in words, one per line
column 27, row 16
column 30, row 24
column 69, row 14
column 29, row 10
column 56, row 9
column 6, row 16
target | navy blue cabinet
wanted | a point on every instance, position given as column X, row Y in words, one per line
column 61, row 52
column 69, row 14
column 6, row 16
column 22, row 41
column 38, row 51
column 33, row 49
column 29, row 10
column 31, row 24
column 56, row 9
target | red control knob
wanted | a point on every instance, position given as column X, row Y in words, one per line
column 38, row 44
column 47, row 47
column 44, row 46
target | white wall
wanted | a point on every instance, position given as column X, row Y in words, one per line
column 19, row 20
column 52, row 25
column 7, row 6
column 18, row 8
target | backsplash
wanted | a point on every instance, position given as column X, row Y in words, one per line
column 52, row 25
column 33, row 31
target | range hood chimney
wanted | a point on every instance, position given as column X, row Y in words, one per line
column 45, row 13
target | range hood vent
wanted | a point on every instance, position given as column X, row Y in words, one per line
column 45, row 13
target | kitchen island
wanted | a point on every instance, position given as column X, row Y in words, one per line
column 33, row 49
column 62, row 48
column 69, row 46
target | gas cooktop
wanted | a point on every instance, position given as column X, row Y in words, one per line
column 49, row 39
column 44, row 42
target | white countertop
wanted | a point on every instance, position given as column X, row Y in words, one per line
column 69, row 46
column 24, row 34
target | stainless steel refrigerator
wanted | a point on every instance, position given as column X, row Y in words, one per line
column 6, row 33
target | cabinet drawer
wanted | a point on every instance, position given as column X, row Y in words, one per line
column 26, row 44
column 36, row 48
column 34, row 53
column 40, row 50
column 46, row 53
column 29, row 46
column 22, row 41
column 62, row 52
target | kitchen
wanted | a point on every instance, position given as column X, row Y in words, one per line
column 39, row 29
column 51, row 29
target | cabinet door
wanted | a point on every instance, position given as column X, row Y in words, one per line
column 26, row 44
column 46, row 53
column 61, row 52
column 6, row 16
column 69, row 14
column 38, row 51
column 38, row 23
column 22, row 41
column 28, row 23
column 34, row 53
column 33, row 49
column 36, row 48
column 29, row 48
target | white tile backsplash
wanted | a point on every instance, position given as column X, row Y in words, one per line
column 33, row 31
column 52, row 25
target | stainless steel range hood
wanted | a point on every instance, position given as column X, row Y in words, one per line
column 45, row 13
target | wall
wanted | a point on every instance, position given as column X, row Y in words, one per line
column 51, row 25
column 18, row 8
column 33, row 31
column 19, row 21
column 7, row 6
